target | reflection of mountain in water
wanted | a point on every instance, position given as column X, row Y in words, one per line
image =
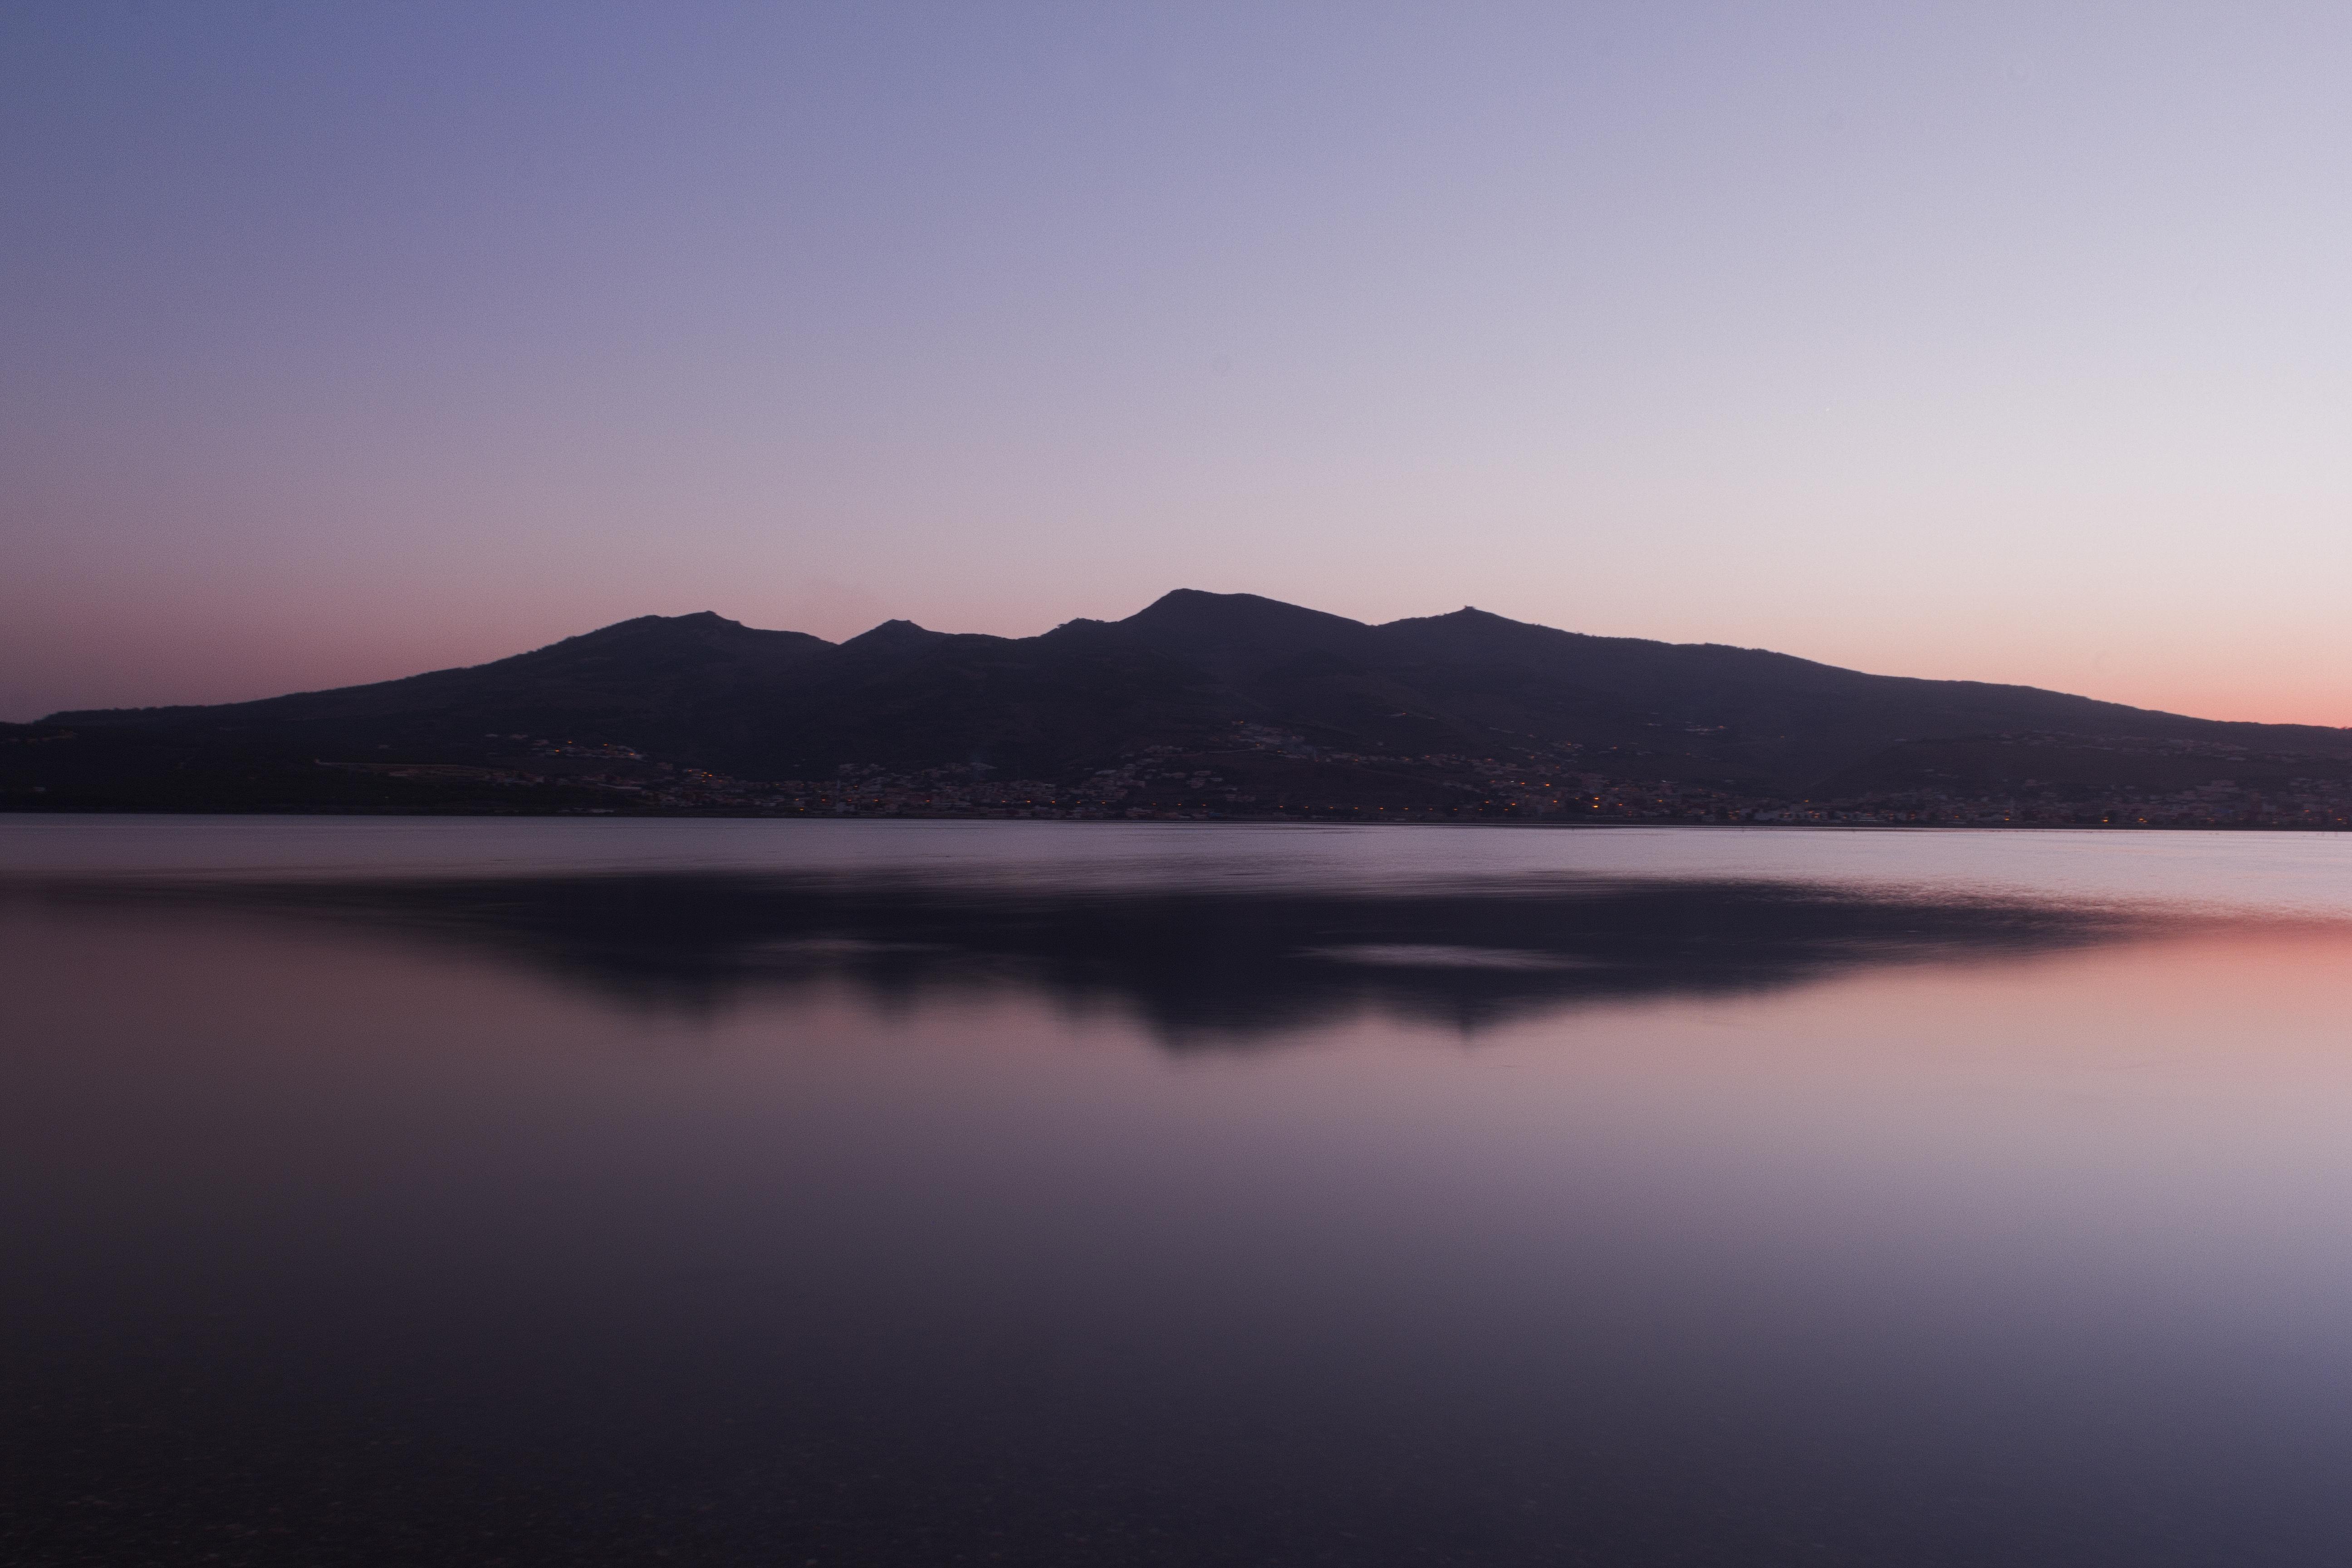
column 1196, row 963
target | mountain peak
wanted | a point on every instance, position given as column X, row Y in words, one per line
column 1193, row 600
column 896, row 634
column 1227, row 632
column 692, row 621
column 1192, row 607
column 638, row 626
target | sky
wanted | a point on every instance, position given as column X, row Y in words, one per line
column 1998, row 342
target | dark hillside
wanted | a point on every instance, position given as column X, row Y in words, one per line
column 1417, row 712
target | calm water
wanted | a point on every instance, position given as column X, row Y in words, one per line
column 575, row 1192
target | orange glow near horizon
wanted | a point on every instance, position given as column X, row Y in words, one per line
column 1953, row 341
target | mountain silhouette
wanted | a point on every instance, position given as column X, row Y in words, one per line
column 1186, row 674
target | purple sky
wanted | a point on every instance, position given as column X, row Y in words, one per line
column 2005, row 342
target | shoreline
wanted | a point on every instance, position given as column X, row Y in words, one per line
column 1322, row 820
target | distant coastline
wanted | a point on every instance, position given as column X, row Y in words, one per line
column 1200, row 708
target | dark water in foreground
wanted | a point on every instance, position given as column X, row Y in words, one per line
column 872, row 1193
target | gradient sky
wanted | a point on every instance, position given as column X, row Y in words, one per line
column 2008, row 342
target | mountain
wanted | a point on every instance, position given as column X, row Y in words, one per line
column 1344, row 706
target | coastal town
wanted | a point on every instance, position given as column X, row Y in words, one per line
column 1262, row 774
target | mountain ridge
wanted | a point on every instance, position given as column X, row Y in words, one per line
column 1187, row 673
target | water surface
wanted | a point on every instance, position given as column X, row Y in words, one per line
column 869, row 1193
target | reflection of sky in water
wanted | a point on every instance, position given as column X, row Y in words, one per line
column 1904, row 1230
